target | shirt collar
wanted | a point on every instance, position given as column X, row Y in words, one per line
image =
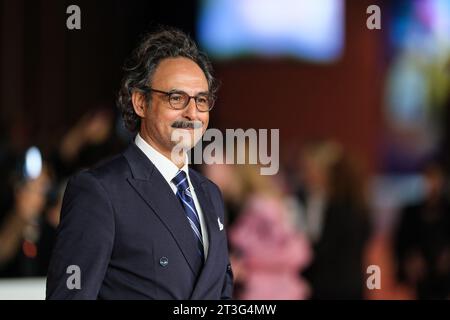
column 164, row 165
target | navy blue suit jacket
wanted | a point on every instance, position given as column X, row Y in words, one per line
column 123, row 226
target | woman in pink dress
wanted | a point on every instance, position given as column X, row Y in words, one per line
column 268, row 251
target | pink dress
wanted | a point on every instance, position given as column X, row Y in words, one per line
column 271, row 251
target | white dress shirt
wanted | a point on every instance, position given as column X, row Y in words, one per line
column 169, row 170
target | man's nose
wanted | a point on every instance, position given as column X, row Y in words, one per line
column 190, row 111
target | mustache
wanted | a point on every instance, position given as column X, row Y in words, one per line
column 180, row 124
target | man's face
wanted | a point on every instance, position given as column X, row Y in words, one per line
column 157, row 121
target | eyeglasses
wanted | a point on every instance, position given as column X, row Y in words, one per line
column 179, row 99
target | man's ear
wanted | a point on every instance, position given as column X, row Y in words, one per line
column 139, row 101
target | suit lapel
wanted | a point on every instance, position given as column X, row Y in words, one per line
column 154, row 190
column 211, row 217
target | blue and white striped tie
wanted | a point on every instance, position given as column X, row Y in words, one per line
column 185, row 197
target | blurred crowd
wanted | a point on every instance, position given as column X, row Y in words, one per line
column 301, row 234
column 32, row 185
column 307, row 232
column 300, row 239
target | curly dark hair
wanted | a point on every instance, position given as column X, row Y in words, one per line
column 140, row 67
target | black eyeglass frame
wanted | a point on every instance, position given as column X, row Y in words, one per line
column 211, row 99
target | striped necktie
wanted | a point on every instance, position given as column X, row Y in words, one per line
column 187, row 202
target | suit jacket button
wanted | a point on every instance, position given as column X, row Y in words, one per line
column 163, row 262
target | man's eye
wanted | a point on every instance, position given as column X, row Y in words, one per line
column 202, row 100
column 175, row 97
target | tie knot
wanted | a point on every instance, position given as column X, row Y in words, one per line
column 181, row 181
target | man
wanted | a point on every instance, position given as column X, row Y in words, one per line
column 144, row 225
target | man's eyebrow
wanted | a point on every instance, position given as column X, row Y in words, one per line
column 182, row 91
column 175, row 91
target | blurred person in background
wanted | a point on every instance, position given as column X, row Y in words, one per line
column 422, row 239
column 335, row 217
column 14, row 140
column 92, row 139
column 232, row 186
column 27, row 233
column 30, row 207
column 267, row 251
column 25, row 240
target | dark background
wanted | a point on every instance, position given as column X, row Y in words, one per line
column 52, row 75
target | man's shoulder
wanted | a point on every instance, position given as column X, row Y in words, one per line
column 116, row 165
column 112, row 168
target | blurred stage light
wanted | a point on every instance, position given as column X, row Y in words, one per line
column 311, row 30
column 33, row 163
